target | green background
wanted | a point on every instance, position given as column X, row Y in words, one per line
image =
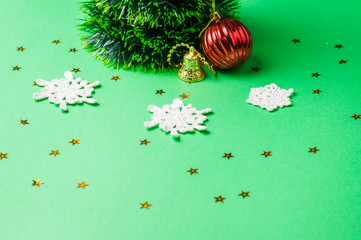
column 294, row 194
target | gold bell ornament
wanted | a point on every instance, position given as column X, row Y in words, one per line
column 191, row 69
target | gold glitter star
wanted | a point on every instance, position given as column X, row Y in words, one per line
column 145, row 205
column 342, row 61
column 74, row 141
column 3, row 155
column 355, row 116
column 75, row 70
column 220, row 198
column 35, row 84
column 23, row 122
column 338, row 46
column 56, row 41
column 315, row 74
column 115, row 78
column 184, row 96
column 227, row 155
column 73, row 50
column 317, row 91
column 266, row 154
column 192, row 170
column 82, row 185
column 160, row 92
column 37, row 182
column 56, row 152
column 244, row 194
column 295, row 40
column 255, row 69
column 314, row 150
column 144, row 142
column 21, row 48
column 16, row 68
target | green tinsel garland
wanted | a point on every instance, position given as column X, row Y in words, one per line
column 139, row 33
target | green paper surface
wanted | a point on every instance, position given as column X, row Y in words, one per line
column 294, row 194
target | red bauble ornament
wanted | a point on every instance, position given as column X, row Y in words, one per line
column 226, row 43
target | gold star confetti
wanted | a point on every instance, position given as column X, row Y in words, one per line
column 75, row 70
column 37, row 182
column 342, row 61
column 314, row 150
column 355, row 116
column 255, row 69
column 115, row 78
column 295, row 40
column 73, row 50
column 35, row 84
column 227, row 155
column 160, row 92
column 82, row 185
column 56, row 41
column 16, row 68
column 266, row 154
column 23, row 122
column 192, row 170
column 244, row 194
column 144, row 142
column 21, row 48
column 74, row 141
column 3, row 155
column 56, row 152
column 338, row 46
column 220, row 198
column 317, row 91
column 145, row 205
column 315, row 74
column 184, row 96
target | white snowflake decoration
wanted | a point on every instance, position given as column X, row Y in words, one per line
column 69, row 90
column 177, row 117
column 270, row 97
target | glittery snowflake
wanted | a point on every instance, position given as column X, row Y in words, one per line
column 270, row 97
column 177, row 117
column 66, row 91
